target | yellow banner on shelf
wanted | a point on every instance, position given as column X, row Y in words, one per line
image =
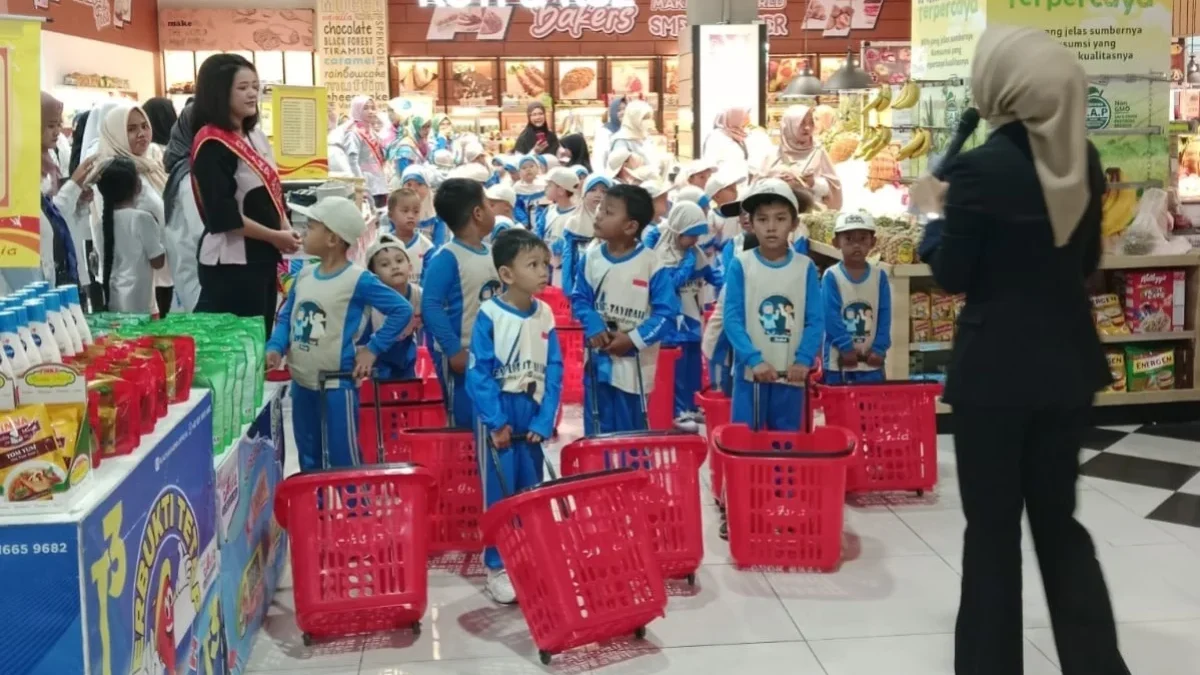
column 20, row 142
column 298, row 132
column 944, row 34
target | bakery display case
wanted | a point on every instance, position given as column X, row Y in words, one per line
column 274, row 67
column 669, row 115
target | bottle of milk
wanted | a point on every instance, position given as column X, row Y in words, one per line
column 58, row 328
column 13, row 361
column 43, row 339
column 32, row 353
column 70, row 302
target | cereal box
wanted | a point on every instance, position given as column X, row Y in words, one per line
column 943, row 331
column 960, row 301
column 918, row 306
column 941, row 306
column 1149, row 368
column 1154, row 300
column 1116, row 366
column 922, row 330
column 1108, row 315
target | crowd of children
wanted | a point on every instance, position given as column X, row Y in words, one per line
column 461, row 266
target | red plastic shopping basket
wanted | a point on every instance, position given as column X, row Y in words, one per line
column 579, row 556
column 896, row 425
column 672, row 509
column 454, row 511
column 395, row 417
column 572, row 344
column 560, row 306
column 717, row 409
column 784, row 495
column 660, row 404
column 358, row 548
column 400, row 391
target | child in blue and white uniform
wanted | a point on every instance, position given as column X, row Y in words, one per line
column 386, row 259
column 679, row 252
column 858, row 306
column 404, row 213
column 772, row 314
column 530, row 188
column 460, row 277
column 561, row 187
column 416, row 178
column 660, row 194
column 515, row 378
column 625, row 301
column 318, row 331
column 501, row 200
column 581, row 229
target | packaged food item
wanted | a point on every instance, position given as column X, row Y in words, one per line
column 941, row 306
column 66, row 421
column 213, row 374
column 257, row 331
column 918, row 306
column 1154, row 300
column 960, row 301
column 179, row 358
column 1149, row 368
column 238, row 338
column 30, row 467
column 158, row 377
column 922, row 330
column 1108, row 315
column 1116, row 366
column 943, row 330
column 113, row 413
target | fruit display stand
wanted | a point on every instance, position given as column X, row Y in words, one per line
column 905, row 279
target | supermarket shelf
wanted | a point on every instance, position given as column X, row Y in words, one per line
column 1131, row 262
column 1148, row 397
column 930, row 346
column 1172, row 336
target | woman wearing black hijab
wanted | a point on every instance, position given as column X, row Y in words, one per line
column 81, row 119
column 161, row 113
column 537, row 137
column 576, row 145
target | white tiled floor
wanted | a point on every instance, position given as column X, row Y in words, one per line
column 889, row 609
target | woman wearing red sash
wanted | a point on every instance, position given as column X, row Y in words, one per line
column 239, row 194
column 357, row 138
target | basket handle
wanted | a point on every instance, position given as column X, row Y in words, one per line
column 494, row 453
column 323, row 378
column 851, row 441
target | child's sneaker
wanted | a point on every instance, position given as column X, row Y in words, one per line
column 500, row 587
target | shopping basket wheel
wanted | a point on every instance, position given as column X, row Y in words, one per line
column 416, row 627
column 306, row 639
column 691, row 581
column 545, row 656
column 640, row 632
column 920, row 493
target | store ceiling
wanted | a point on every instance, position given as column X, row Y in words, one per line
column 238, row 4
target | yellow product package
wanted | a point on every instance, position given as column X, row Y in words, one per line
column 1116, row 367
column 918, row 306
column 943, row 331
column 66, row 421
column 1108, row 315
column 922, row 331
column 30, row 467
column 941, row 306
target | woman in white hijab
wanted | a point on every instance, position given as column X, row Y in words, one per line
column 1016, row 228
column 636, row 126
column 125, row 132
column 802, row 163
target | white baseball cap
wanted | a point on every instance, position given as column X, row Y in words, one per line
column 721, row 180
column 655, row 188
column 339, row 215
column 501, row 193
column 384, row 242
column 563, row 177
column 767, row 188
column 471, row 171
column 849, row 221
column 694, row 167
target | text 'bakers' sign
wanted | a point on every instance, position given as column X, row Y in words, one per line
column 489, row 20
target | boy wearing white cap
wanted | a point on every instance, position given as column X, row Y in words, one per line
column 661, row 196
column 561, row 186
column 388, row 260
column 580, row 228
column 501, row 200
column 529, row 188
column 416, row 178
column 772, row 314
column 858, row 306
column 320, row 322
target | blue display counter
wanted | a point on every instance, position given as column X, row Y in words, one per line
column 158, row 566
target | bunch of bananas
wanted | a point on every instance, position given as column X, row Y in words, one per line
column 1120, row 206
column 909, row 96
column 919, row 146
column 876, row 139
column 881, row 100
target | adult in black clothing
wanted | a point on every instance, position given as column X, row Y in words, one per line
column 238, row 192
column 576, row 144
column 161, row 113
column 1016, row 227
column 81, row 119
column 537, row 137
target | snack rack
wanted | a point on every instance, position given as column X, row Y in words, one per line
column 906, row 279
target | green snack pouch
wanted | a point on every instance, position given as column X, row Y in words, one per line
column 211, row 374
column 257, row 331
column 235, row 336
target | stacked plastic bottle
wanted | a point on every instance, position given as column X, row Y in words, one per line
column 40, row 324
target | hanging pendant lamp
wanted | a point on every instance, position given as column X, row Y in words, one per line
column 849, row 76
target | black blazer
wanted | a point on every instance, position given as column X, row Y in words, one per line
column 1025, row 336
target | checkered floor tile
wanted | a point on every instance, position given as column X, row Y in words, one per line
column 1160, row 463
